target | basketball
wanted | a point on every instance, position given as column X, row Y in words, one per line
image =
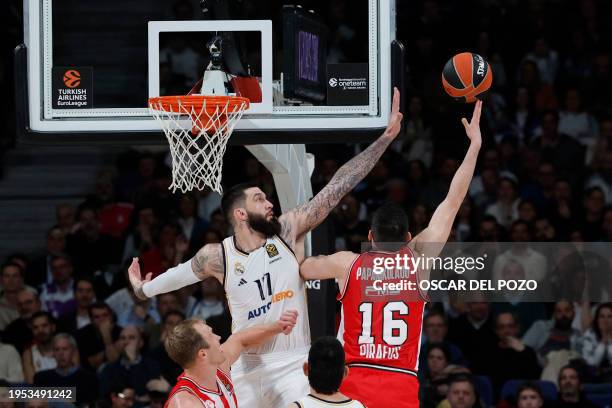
column 467, row 77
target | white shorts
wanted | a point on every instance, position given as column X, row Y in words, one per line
column 272, row 380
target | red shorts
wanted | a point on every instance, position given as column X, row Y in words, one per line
column 377, row 388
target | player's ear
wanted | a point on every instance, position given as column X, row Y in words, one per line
column 408, row 237
column 346, row 371
column 305, row 368
column 240, row 214
column 370, row 236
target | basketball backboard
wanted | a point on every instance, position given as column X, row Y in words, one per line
column 88, row 67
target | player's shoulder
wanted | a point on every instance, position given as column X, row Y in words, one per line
column 184, row 398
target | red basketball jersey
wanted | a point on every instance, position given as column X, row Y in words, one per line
column 382, row 313
column 223, row 397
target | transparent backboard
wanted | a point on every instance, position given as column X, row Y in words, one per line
column 91, row 66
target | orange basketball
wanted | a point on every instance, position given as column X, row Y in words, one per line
column 467, row 77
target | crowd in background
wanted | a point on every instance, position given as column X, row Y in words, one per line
column 68, row 316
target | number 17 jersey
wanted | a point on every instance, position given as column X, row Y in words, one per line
column 382, row 314
column 260, row 286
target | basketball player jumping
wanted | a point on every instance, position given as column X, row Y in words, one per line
column 381, row 331
column 206, row 380
column 259, row 268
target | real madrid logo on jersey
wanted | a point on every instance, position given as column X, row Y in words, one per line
column 209, row 404
column 238, row 268
column 271, row 250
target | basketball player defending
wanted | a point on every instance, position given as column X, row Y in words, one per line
column 206, row 380
column 381, row 331
column 259, row 268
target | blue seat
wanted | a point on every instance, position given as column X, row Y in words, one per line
column 597, row 388
column 484, row 388
column 601, row 400
column 510, row 388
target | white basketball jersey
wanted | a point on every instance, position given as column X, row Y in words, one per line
column 310, row 401
column 260, row 286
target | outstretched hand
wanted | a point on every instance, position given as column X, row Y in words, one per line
column 136, row 278
column 395, row 119
column 472, row 128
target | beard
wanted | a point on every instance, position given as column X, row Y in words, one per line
column 260, row 224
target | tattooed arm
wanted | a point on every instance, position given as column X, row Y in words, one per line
column 307, row 216
column 206, row 263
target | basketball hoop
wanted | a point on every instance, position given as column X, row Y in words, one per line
column 197, row 147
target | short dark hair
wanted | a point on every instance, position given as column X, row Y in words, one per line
column 390, row 224
column 572, row 367
column 65, row 257
column 326, row 365
column 459, row 378
column 173, row 313
column 42, row 313
column 101, row 305
column 83, row 279
column 442, row 348
column 14, row 265
column 232, row 197
column 528, row 385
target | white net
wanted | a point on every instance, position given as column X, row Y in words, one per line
column 197, row 128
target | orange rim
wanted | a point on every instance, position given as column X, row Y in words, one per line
column 174, row 103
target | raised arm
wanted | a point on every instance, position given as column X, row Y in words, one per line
column 432, row 239
column 207, row 262
column 256, row 335
column 307, row 216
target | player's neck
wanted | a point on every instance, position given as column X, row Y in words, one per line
column 335, row 397
column 204, row 375
column 247, row 240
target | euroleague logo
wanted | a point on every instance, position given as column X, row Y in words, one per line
column 72, row 78
column 333, row 82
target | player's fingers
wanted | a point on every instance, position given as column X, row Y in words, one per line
column 465, row 123
column 149, row 276
column 477, row 111
column 396, row 101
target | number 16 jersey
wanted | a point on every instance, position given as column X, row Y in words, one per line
column 260, row 286
column 381, row 316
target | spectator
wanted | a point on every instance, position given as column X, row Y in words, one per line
column 544, row 230
column 462, row 393
column 543, row 93
column 534, row 263
column 98, row 341
column 132, row 367
column 546, row 59
column 208, row 201
column 168, row 251
column 65, row 216
column 570, row 390
column 563, row 152
column 39, row 356
column 219, row 223
column 523, row 118
column 603, row 178
column 89, row 248
column 114, row 216
column 68, row 373
column 165, row 303
column 576, row 123
column 529, row 395
column 435, row 328
column 191, row 224
column 124, row 302
column 170, row 370
column 562, row 209
column 57, row 297
column 212, row 302
column 141, row 237
column 597, row 346
column 603, row 144
column 590, row 222
column 557, row 334
column 18, row 332
column 11, row 369
column 351, row 231
column 40, row 271
column 527, row 211
column 517, row 359
column 541, row 190
column 473, row 333
column 466, row 221
column 505, row 209
column 84, row 297
column 419, row 218
column 122, row 396
column 12, row 284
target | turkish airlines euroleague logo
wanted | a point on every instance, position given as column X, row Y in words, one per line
column 72, row 78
